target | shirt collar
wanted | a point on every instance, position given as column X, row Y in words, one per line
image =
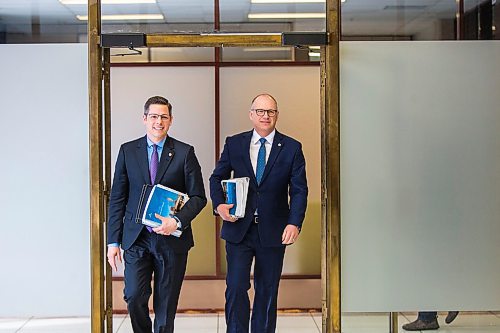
column 256, row 137
column 159, row 144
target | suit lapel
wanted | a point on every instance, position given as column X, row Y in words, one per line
column 247, row 141
column 275, row 150
column 142, row 159
column 167, row 155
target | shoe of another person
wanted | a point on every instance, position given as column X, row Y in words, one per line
column 420, row 325
column 451, row 316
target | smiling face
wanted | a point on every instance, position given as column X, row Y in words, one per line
column 263, row 124
column 157, row 122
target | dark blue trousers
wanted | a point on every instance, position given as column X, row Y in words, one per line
column 150, row 254
column 427, row 316
column 267, row 273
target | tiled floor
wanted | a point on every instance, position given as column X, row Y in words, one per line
column 287, row 323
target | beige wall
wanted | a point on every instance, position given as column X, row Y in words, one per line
column 191, row 91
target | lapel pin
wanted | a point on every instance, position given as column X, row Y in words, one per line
column 279, row 144
column 170, row 154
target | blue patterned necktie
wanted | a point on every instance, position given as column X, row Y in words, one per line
column 261, row 160
column 153, row 169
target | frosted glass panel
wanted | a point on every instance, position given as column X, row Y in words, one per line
column 190, row 90
column 420, row 176
column 44, row 175
column 299, row 117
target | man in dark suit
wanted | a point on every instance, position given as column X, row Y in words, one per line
column 155, row 158
column 275, row 210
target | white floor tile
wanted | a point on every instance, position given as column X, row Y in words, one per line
column 222, row 323
column 196, row 323
column 125, row 326
column 299, row 323
column 369, row 322
column 287, row 323
column 8, row 325
column 302, row 322
column 50, row 325
column 471, row 322
column 118, row 321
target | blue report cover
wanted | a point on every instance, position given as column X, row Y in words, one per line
column 230, row 192
column 235, row 192
column 163, row 201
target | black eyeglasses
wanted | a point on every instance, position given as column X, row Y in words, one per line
column 261, row 112
column 155, row 117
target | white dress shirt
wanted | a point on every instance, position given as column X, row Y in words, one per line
column 255, row 146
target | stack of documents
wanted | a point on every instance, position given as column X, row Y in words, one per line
column 165, row 202
column 236, row 191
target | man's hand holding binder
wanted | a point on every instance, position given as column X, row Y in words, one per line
column 235, row 191
column 168, row 225
column 223, row 211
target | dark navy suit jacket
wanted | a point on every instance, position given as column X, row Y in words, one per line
column 281, row 197
column 178, row 169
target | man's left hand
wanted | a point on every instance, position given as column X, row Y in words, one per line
column 290, row 234
column 168, row 225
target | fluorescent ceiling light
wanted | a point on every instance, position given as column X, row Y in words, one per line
column 315, row 47
column 314, row 54
column 289, row 1
column 287, row 15
column 107, row 2
column 124, row 17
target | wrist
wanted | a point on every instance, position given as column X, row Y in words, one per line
column 179, row 223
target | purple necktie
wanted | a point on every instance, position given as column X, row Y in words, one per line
column 153, row 165
column 153, row 168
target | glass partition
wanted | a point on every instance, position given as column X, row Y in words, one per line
column 64, row 21
column 419, row 20
column 272, row 15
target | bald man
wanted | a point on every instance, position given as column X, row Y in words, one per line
column 275, row 210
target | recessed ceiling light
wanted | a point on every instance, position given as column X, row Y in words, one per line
column 124, row 17
column 287, row 16
column 290, row 1
column 106, row 2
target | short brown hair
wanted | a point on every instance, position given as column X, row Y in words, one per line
column 157, row 100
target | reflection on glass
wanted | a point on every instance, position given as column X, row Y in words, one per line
column 272, row 15
column 419, row 20
column 257, row 54
column 65, row 21
column 163, row 54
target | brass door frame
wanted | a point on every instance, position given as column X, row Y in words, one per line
column 99, row 150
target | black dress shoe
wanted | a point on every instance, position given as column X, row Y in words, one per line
column 451, row 316
column 420, row 325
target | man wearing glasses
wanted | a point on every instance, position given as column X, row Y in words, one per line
column 275, row 210
column 155, row 158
